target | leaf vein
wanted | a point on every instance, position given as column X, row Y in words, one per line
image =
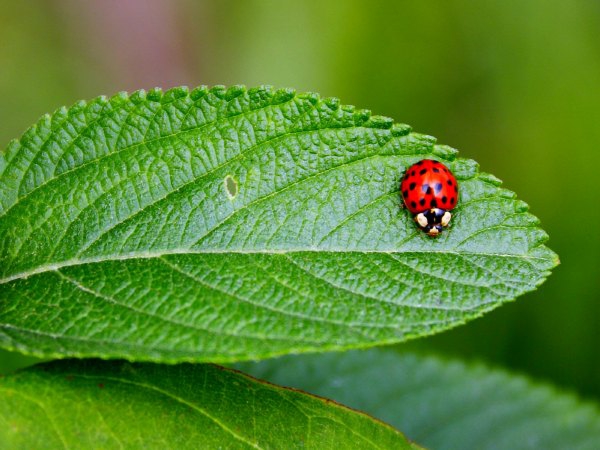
column 182, row 401
column 241, row 299
column 171, row 321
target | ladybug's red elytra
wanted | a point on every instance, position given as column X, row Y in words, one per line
column 430, row 192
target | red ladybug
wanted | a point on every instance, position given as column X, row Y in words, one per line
column 430, row 192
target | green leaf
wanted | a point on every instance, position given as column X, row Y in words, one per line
column 444, row 404
column 99, row 404
column 228, row 224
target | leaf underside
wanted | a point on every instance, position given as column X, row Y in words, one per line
column 229, row 224
column 444, row 405
column 99, row 404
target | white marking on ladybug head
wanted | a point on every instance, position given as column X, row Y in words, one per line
column 433, row 232
column 421, row 220
column 446, row 219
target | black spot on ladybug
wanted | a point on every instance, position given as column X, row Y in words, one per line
column 452, row 200
column 423, row 171
column 438, row 187
column 449, row 182
column 433, row 203
column 413, row 173
column 436, row 170
column 444, row 199
column 412, row 186
column 413, row 204
column 429, row 190
column 420, row 163
column 445, row 170
column 425, row 188
column 455, row 188
column 405, row 194
column 422, row 202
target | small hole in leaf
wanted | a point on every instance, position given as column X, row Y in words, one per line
column 231, row 186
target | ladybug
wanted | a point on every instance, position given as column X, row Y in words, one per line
column 430, row 192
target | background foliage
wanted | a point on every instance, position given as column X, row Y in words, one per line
column 514, row 85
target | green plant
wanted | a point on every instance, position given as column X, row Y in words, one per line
column 226, row 225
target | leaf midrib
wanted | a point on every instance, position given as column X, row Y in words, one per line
column 194, row 180
column 151, row 255
column 242, row 154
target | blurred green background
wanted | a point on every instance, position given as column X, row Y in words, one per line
column 513, row 84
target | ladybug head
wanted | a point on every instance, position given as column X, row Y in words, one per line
column 433, row 220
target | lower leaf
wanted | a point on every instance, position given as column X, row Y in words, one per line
column 444, row 404
column 99, row 404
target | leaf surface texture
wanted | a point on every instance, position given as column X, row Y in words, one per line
column 228, row 224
